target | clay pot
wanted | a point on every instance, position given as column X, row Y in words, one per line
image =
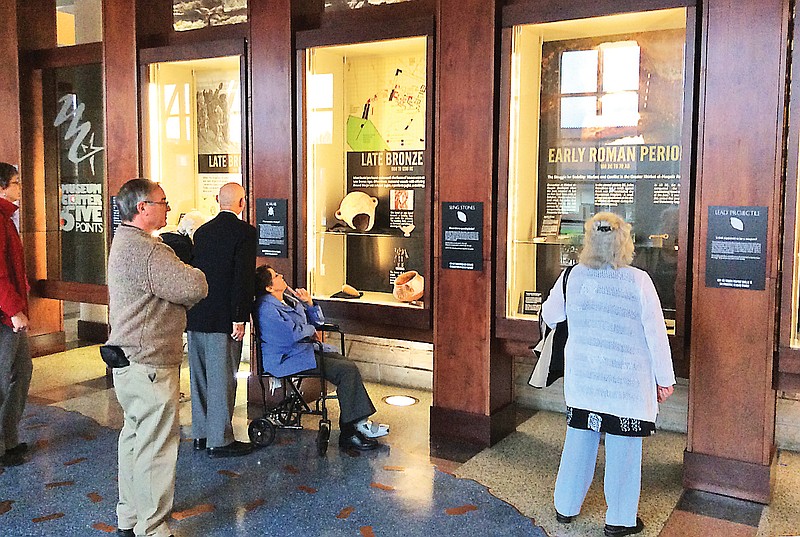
column 409, row 286
column 357, row 209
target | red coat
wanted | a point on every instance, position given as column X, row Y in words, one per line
column 13, row 281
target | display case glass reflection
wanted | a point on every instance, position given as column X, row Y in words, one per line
column 596, row 125
column 367, row 171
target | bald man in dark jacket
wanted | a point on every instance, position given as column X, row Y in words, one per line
column 225, row 250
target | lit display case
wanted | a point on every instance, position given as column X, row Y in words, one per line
column 596, row 123
column 194, row 126
column 368, row 172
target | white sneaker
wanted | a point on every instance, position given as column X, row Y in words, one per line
column 372, row 430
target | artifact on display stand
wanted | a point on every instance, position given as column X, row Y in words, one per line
column 357, row 209
column 409, row 286
column 349, row 292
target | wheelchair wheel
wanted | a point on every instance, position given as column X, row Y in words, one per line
column 323, row 436
column 261, row 432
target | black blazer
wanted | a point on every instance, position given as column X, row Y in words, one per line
column 225, row 250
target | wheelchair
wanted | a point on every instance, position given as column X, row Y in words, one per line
column 288, row 413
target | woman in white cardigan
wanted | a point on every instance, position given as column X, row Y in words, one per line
column 618, row 367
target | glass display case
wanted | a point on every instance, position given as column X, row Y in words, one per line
column 194, row 131
column 368, row 172
column 596, row 124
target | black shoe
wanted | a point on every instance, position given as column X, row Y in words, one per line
column 125, row 533
column 234, row 449
column 616, row 531
column 564, row 519
column 20, row 449
column 12, row 459
column 356, row 440
column 199, row 444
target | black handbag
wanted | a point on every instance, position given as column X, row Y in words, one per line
column 114, row 356
column 550, row 349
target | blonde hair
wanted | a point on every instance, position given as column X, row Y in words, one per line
column 190, row 222
column 607, row 241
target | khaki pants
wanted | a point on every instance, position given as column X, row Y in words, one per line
column 148, row 447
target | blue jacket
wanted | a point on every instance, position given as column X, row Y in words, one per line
column 282, row 327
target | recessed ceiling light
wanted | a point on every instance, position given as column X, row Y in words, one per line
column 400, row 400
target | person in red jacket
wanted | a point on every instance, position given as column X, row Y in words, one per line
column 16, row 366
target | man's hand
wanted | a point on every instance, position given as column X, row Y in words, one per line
column 663, row 392
column 304, row 296
column 238, row 331
column 20, row 322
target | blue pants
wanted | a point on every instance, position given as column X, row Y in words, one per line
column 622, row 482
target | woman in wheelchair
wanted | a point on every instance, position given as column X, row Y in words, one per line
column 287, row 320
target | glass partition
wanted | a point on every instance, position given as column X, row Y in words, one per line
column 75, row 164
column 79, row 22
column 343, row 5
column 192, row 14
column 368, row 171
column 596, row 119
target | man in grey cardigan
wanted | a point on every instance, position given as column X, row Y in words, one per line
column 150, row 290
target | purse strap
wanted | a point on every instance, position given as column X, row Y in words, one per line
column 564, row 282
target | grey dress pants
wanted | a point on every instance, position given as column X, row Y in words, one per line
column 354, row 401
column 16, row 369
column 213, row 363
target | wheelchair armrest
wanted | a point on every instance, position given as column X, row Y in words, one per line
column 312, row 341
column 328, row 327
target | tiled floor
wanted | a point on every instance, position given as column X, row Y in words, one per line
column 68, row 487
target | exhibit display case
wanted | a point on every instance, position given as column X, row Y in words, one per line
column 193, row 126
column 596, row 123
column 368, row 172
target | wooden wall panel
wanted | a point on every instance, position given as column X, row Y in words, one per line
column 9, row 83
column 121, row 94
column 153, row 21
column 39, row 28
column 272, row 127
column 38, row 19
column 466, row 82
column 271, row 133
column 732, row 403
